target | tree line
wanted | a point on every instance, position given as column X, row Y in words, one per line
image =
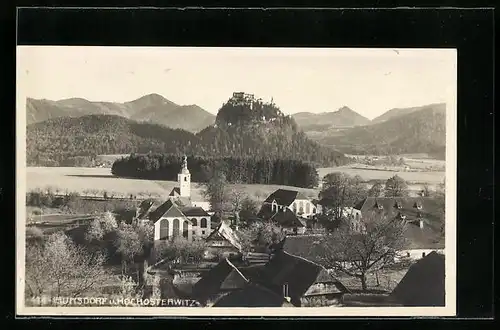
column 236, row 170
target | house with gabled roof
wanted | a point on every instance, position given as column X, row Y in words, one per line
column 223, row 241
column 288, row 221
column 423, row 284
column 293, row 200
column 285, row 280
column 423, row 216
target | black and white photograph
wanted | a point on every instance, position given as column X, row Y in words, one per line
column 236, row 181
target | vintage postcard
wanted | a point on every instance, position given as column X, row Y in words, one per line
column 195, row 181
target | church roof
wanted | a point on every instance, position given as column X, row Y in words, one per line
column 176, row 191
column 194, row 212
column 167, row 210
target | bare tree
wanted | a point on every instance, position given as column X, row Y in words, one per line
column 236, row 198
column 426, row 190
column 61, row 267
column 215, row 191
column 260, row 235
column 377, row 190
column 372, row 247
column 340, row 191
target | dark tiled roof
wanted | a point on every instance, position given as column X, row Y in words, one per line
column 194, row 212
column 167, row 209
column 287, row 219
column 413, row 209
column 252, row 295
column 144, row 208
column 295, row 271
column 408, row 206
column 265, row 212
column 309, row 247
column 424, row 283
column 282, row 197
column 301, row 195
column 224, row 276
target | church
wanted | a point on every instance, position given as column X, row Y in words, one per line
column 183, row 195
column 184, row 214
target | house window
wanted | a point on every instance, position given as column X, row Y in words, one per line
column 185, row 229
column 163, row 229
column 313, row 210
column 408, row 254
column 176, row 228
column 185, row 178
column 294, row 207
column 285, row 290
column 307, row 208
column 423, row 254
column 194, row 222
column 203, row 223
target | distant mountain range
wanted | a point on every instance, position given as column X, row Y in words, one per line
column 344, row 117
column 415, row 130
column 398, row 112
column 77, row 127
column 258, row 131
column 151, row 108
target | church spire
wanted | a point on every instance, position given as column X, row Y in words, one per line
column 184, row 179
column 184, row 168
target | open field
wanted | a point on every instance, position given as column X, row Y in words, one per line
column 431, row 178
column 83, row 180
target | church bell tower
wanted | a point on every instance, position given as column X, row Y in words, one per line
column 184, row 178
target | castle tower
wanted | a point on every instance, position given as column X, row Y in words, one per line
column 184, row 178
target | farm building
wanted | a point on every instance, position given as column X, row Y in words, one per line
column 253, row 295
column 285, row 280
column 285, row 218
column 424, row 283
column 423, row 215
column 223, row 241
column 293, row 200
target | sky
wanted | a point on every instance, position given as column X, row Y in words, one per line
column 369, row 81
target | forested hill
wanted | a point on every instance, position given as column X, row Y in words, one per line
column 247, row 126
column 70, row 141
column 73, row 141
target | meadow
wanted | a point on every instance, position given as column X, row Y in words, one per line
column 96, row 181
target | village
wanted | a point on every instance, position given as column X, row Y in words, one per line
column 293, row 252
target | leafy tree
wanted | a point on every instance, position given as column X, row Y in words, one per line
column 128, row 245
column 248, row 211
column 181, row 251
column 59, row 266
column 357, row 252
column 396, row 187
